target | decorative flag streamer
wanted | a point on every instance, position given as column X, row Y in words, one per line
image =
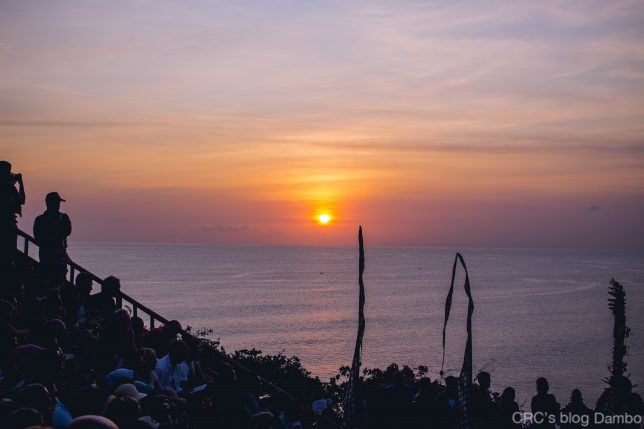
column 465, row 377
column 352, row 401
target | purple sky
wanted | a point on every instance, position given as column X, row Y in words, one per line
column 430, row 123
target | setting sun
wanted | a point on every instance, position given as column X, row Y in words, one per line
column 324, row 219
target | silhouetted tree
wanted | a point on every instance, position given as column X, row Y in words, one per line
column 617, row 304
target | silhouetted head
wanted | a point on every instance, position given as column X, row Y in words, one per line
column 5, row 170
column 542, row 385
column 52, row 200
column 178, row 352
column 576, row 397
column 407, row 372
column 123, row 411
column 84, row 283
column 508, row 395
column 172, row 328
column 484, row 379
column 451, row 384
column 92, row 422
column 120, row 320
column 111, row 286
column 397, row 378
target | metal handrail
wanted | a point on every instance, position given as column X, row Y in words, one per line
column 153, row 315
column 75, row 268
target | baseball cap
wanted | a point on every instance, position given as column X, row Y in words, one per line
column 53, row 196
column 129, row 391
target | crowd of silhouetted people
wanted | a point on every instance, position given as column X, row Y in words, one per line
column 73, row 358
column 70, row 358
column 398, row 399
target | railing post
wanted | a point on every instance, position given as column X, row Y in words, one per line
column 151, row 322
column 119, row 301
column 26, row 246
column 135, row 310
column 71, row 274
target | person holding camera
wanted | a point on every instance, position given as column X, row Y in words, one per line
column 11, row 201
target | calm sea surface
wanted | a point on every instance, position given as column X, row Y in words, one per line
column 537, row 312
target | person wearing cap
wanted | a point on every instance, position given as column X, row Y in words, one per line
column 11, row 201
column 51, row 230
column 128, row 390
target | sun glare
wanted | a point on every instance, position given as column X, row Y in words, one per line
column 324, row 218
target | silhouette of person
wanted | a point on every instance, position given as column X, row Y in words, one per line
column 77, row 299
column 398, row 400
column 546, row 405
column 11, row 201
column 507, row 409
column 483, row 406
column 51, row 230
column 102, row 305
column 161, row 337
column 447, row 404
column 425, row 404
column 577, row 408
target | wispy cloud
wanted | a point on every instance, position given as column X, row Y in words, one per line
column 333, row 103
column 68, row 124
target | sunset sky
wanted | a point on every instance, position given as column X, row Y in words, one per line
column 438, row 123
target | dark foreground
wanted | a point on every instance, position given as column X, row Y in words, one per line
column 68, row 353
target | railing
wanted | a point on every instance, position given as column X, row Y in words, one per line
column 153, row 316
column 74, row 269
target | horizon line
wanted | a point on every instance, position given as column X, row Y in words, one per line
column 343, row 246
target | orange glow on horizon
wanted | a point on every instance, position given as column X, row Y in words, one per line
column 189, row 144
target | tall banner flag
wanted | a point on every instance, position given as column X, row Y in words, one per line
column 465, row 377
column 352, row 400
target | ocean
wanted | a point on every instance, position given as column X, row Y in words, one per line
column 538, row 312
